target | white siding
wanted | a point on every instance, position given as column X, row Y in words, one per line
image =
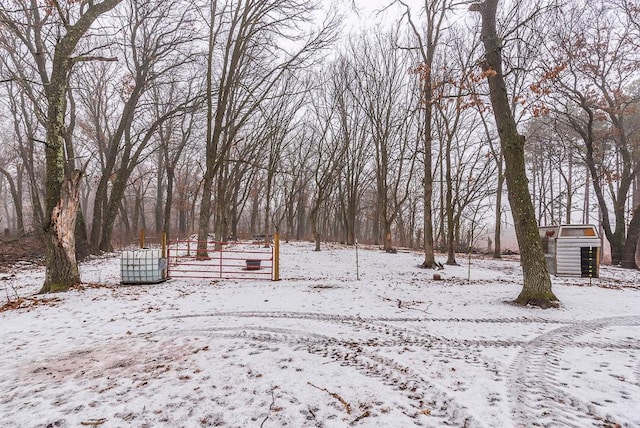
column 568, row 254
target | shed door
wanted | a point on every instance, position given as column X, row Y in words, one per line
column 589, row 262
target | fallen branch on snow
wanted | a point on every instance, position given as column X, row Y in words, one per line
column 93, row 422
column 336, row 396
column 366, row 414
column 273, row 400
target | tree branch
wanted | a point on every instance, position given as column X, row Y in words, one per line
column 86, row 58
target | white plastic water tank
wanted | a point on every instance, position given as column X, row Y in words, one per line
column 144, row 266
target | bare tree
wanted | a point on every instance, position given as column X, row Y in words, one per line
column 353, row 134
column 297, row 175
column 15, row 190
column 428, row 39
column 553, row 156
column 13, row 169
column 587, row 83
column 26, row 105
column 282, row 124
column 498, row 158
column 536, row 288
column 174, row 135
column 72, row 22
column 328, row 152
column 246, row 41
column 463, row 167
column 158, row 46
column 384, row 93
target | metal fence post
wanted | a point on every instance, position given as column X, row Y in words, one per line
column 276, row 256
column 221, row 250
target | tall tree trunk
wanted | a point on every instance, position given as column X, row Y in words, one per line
column 19, row 205
column 62, row 186
column 429, row 254
column 569, row 182
column 434, row 16
column 183, row 221
column 137, row 207
column 440, row 238
column 82, row 240
column 166, row 228
column 222, row 205
column 160, row 208
column 124, row 216
column 451, row 241
column 212, row 148
column 377, row 217
column 497, row 241
column 388, row 242
column 301, row 228
column 587, row 200
column 267, row 207
column 352, row 212
column 630, row 246
column 254, row 216
column 314, row 227
column 61, row 190
column 15, row 188
column 100, row 201
column 62, row 268
column 111, row 211
column 615, row 235
column 536, row 288
column 290, row 220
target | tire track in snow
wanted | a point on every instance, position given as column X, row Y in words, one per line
column 537, row 395
column 421, row 394
column 359, row 353
column 535, row 392
column 342, row 318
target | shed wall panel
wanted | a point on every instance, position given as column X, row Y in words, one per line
column 568, row 254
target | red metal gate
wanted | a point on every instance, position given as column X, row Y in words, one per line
column 227, row 260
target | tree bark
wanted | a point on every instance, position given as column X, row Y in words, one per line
column 159, row 207
column 62, row 192
column 301, row 227
column 82, row 240
column 435, row 11
column 62, row 269
column 314, row 228
column 166, row 228
column 429, row 254
column 449, row 208
column 15, row 188
column 536, row 288
column 631, row 243
column 497, row 241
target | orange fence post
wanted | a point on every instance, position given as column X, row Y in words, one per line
column 141, row 238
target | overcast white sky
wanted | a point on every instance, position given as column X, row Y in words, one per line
column 369, row 13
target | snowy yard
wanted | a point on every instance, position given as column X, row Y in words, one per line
column 320, row 348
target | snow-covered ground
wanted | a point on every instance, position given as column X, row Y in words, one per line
column 321, row 348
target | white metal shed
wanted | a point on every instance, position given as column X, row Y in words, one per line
column 572, row 249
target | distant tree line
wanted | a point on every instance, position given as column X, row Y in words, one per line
column 234, row 118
